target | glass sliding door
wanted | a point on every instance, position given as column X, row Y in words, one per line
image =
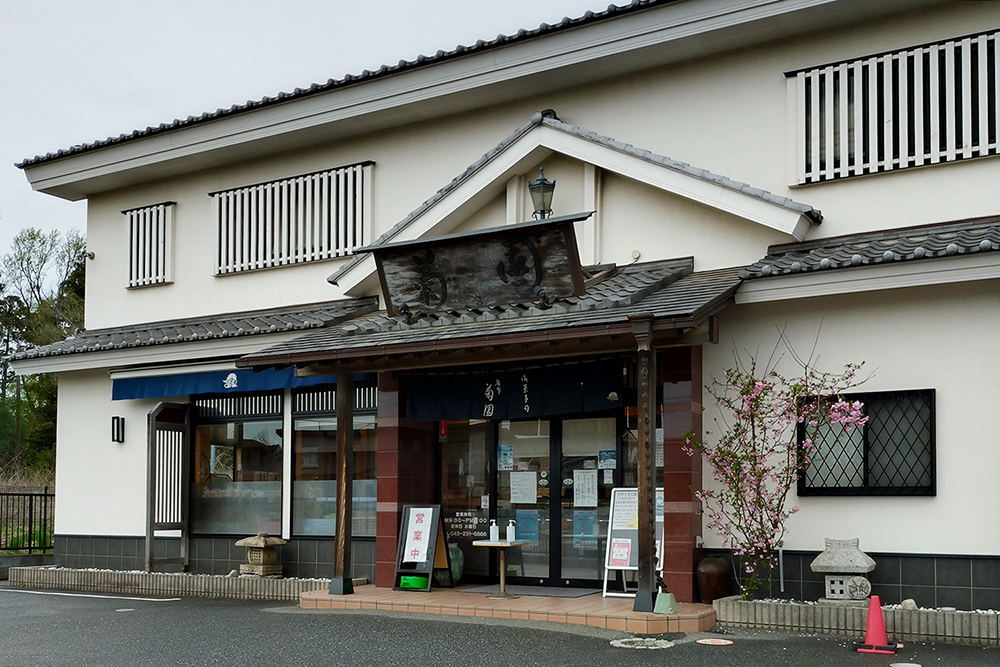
column 465, row 482
column 524, row 484
column 587, row 474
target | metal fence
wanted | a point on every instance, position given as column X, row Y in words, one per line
column 26, row 520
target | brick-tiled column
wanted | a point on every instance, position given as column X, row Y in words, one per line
column 405, row 471
column 682, row 385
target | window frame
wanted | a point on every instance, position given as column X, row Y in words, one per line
column 865, row 489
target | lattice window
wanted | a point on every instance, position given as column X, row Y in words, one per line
column 892, row 454
column 924, row 105
column 243, row 406
column 150, row 233
column 301, row 219
column 323, row 399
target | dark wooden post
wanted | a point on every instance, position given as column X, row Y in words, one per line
column 341, row 583
column 642, row 328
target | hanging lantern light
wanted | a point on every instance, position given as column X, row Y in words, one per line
column 541, row 191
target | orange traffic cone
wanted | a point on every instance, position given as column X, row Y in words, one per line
column 875, row 639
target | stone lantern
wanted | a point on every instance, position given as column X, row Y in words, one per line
column 261, row 554
column 845, row 566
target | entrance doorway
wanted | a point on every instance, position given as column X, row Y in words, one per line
column 552, row 476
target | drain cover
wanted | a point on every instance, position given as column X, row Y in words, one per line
column 904, row 664
column 711, row 641
column 641, row 642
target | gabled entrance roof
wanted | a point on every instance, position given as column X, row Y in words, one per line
column 680, row 303
column 543, row 135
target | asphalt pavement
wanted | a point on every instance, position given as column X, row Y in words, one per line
column 73, row 629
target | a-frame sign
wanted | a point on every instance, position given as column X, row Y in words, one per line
column 423, row 548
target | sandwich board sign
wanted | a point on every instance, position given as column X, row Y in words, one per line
column 423, row 548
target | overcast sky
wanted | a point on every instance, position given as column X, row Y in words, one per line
column 75, row 71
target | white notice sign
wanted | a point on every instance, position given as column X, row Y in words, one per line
column 418, row 535
column 584, row 488
column 626, row 511
column 523, row 488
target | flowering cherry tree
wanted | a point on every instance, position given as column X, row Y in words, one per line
column 757, row 457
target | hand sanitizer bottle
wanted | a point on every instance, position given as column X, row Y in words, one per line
column 510, row 531
column 494, row 531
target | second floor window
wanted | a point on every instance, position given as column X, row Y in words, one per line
column 150, row 233
column 918, row 106
column 305, row 218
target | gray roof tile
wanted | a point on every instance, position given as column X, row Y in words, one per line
column 294, row 318
column 665, row 289
column 894, row 245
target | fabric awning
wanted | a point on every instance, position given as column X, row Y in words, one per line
column 214, row 382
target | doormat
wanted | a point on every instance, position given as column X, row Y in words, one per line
column 536, row 591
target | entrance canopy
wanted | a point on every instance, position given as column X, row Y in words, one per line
column 679, row 302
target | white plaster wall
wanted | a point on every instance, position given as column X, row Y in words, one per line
column 726, row 113
column 101, row 484
column 940, row 337
column 661, row 225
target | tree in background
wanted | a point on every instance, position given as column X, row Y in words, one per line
column 41, row 302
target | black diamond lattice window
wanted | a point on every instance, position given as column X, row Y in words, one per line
column 892, row 454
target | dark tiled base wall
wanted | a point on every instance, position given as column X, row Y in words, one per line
column 209, row 555
column 963, row 582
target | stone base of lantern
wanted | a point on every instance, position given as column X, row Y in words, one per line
column 262, row 570
column 838, row 602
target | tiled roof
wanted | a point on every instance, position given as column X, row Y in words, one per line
column 667, row 290
column 885, row 247
column 349, row 79
column 546, row 119
column 251, row 323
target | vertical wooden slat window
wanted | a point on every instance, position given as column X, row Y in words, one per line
column 305, row 218
column 149, row 231
column 924, row 105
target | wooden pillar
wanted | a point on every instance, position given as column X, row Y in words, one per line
column 341, row 583
column 642, row 327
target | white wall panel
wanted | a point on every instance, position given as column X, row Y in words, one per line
column 927, row 337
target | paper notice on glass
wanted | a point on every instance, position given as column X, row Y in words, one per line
column 584, row 488
column 609, row 477
column 621, row 552
column 527, row 526
column 585, row 530
column 505, row 457
column 418, row 535
column 607, row 459
column 626, row 510
column 524, row 488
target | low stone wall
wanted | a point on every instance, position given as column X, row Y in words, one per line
column 166, row 584
column 7, row 562
column 924, row 625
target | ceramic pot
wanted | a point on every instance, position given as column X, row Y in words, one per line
column 713, row 578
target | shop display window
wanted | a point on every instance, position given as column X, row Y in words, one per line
column 314, row 484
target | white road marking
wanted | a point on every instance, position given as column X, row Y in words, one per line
column 86, row 595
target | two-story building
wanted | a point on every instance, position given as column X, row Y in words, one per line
column 726, row 172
